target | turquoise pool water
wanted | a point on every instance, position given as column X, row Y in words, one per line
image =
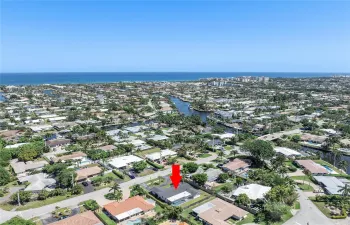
column 327, row 168
column 134, row 222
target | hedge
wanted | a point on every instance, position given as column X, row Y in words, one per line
column 105, row 219
column 118, row 174
column 156, row 165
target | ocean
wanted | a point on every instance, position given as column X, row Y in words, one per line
column 101, row 77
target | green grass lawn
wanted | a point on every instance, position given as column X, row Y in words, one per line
column 306, row 178
column 146, row 172
column 37, row 204
column 322, row 208
column 187, row 215
column 305, row 187
column 228, row 147
column 249, row 219
column 202, row 196
column 146, row 152
column 297, row 205
column 105, row 219
column 204, row 155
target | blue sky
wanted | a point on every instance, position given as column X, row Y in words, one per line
column 272, row 36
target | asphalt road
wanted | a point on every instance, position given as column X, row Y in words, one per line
column 308, row 214
column 96, row 195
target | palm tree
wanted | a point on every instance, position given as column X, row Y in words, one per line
column 343, row 165
column 345, row 190
column 115, row 187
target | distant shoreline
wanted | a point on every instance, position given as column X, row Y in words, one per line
column 110, row 77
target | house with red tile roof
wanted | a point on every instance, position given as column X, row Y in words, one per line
column 131, row 207
column 85, row 218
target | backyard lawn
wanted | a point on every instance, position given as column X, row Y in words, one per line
column 146, row 152
column 204, row 155
column 305, row 178
column 202, row 196
column 305, row 187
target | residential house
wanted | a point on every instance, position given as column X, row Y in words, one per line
column 237, row 166
column 124, row 161
column 107, row 148
column 312, row 167
column 38, row 182
column 217, row 212
column 287, row 152
column 253, row 191
column 57, row 142
column 22, row 168
column 130, row 209
column 331, row 185
column 85, row 218
column 85, row 173
column 163, row 154
column 182, row 194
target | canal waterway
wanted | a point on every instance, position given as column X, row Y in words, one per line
column 184, row 108
column 328, row 156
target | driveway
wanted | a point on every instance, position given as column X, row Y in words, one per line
column 12, row 190
column 308, row 213
column 96, row 195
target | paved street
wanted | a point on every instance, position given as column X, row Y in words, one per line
column 308, row 214
column 96, row 195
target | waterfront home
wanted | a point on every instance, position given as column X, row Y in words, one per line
column 182, row 194
column 38, row 182
column 237, row 166
column 124, row 161
column 86, row 173
column 85, row 218
column 331, row 185
column 253, row 191
column 312, row 167
column 217, row 212
column 129, row 210
column 287, row 152
column 313, row 139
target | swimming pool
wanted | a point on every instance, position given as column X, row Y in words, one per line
column 134, row 222
column 328, row 168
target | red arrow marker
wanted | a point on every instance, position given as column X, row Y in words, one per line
column 175, row 177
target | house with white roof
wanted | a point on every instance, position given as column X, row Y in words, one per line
column 163, row 154
column 287, row 152
column 15, row 145
column 124, row 161
column 253, row 191
column 38, row 182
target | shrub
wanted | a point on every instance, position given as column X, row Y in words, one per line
column 77, row 189
column 118, row 174
column 155, row 165
column 91, row 205
column 44, row 194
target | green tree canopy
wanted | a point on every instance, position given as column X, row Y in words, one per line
column 259, row 149
column 200, row 178
column 191, row 167
column 5, row 177
column 139, row 166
